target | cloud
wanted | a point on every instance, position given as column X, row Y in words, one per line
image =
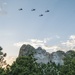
column 10, row 59
column 72, row 37
column 57, row 36
column 39, row 43
column 34, row 42
column 51, row 49
column 64, row 46
column 47, row 39
column 4, row 3
column 70, row 43
column 2, row 10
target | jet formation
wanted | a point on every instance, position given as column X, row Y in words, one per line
column 35, row 10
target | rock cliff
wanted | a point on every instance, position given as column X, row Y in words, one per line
column 42, row 56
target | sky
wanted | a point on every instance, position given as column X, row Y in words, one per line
column 54, row 30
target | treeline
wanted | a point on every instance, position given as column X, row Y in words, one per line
column 27, row 65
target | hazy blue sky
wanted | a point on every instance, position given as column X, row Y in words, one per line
column 19, row 26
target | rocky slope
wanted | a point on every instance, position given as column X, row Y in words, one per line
column 42, row 56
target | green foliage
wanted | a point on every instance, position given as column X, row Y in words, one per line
column 27, row 65
column 2, row 55
column 69, row 65
column 50, row 69
column 1, row 48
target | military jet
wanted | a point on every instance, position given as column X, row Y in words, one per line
column 47, row 11
column 41, row 15
column 33, row 9
column 20, row 9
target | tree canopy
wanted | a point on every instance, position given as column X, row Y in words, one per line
column 27, row 65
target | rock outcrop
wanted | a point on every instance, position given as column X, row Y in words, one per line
column 57, row 57
column 42, row 56
column 26, row 49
